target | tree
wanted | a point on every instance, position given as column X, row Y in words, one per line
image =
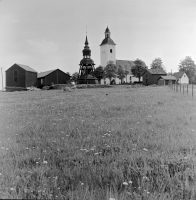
column 110, row 70
column 138, row 68
column 99, row 73
column 68, row 73
column 126, row 72
column 188, row 66
column 74, row 76
column 120, row 73
column 157, row 63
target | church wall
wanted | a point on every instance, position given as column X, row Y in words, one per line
column 106, row 55
column 118, row 81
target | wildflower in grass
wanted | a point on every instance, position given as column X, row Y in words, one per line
column 81, row 183
column 125, row 183
column 130, row 182
column 45, row 162
column 145, row 178
column 96, row 153
column 144, row 149
column 12, row 189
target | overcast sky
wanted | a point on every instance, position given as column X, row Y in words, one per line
column 50, row 34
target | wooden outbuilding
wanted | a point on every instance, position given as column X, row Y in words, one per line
column 167, row 80
column 181, row 77
column 151, row 76
column 55, row 76
column 19, row 75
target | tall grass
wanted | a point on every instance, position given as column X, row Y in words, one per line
column 133, row 143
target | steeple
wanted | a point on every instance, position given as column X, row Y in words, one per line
column 86, row 51
column 107, row 39
column 107, row 33
column 86, row 42
column 86, row 71
column 107, row 49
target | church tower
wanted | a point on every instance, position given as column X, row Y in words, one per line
column 86, row 71
column 107, row 49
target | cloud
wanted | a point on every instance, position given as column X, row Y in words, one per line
column 42, row 46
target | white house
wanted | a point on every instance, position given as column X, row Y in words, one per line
column 182, row 78
column 108, row 53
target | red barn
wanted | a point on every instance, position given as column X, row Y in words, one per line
column 151, row 76
column 19, row 75
column 53, row 76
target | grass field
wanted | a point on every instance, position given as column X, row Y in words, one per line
column 98, row 144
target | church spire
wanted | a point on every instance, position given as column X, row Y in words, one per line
column 107, row 33
column 86, row 42
column 86, row 51
column 107, row 39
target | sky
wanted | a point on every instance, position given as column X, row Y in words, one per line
column 50, row 34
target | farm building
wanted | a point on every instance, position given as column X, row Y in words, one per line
column 182, row 78
column 19, row 75
column 151, row 76
column 53, row 76
column 167, row 80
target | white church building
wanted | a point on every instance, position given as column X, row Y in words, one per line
column 108, row 53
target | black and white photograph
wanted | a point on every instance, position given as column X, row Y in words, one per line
column 98, row 99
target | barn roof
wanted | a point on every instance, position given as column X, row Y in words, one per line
column 168, row 77
column 43, row 74
column 178, row 74
column 25, row 67
column 156, row 71
column 125, row 64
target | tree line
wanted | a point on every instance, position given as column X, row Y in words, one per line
column 111, row 71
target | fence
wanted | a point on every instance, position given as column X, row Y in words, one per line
column 187, row 89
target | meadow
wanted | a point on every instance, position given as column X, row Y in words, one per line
column 112, row 143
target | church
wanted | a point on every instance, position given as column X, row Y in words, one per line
column 108, row 53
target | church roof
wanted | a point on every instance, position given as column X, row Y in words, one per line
column 125, row 64
column 107, row 40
